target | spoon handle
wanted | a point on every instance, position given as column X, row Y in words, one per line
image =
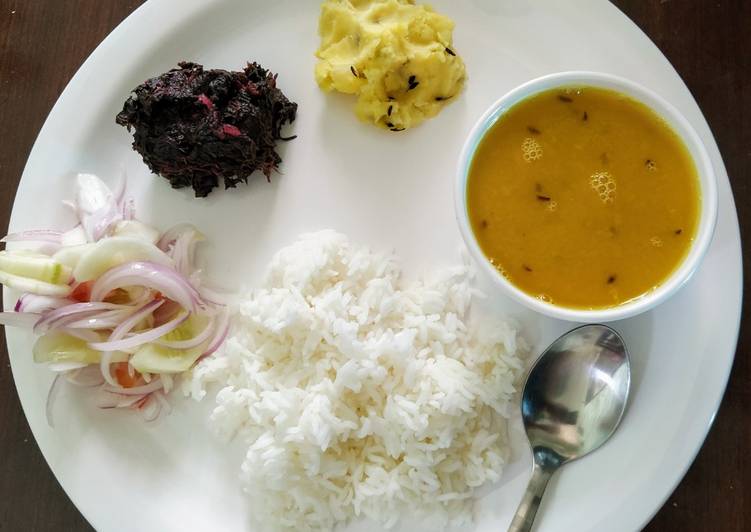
column 525, row 514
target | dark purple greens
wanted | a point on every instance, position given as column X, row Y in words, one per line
column 194, row 126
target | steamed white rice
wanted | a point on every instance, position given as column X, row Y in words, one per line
column 359, row 397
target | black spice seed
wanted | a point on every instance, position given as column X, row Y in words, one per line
column 450, row 51
column 391, row 98
column 533, row 130
column 391, row 108
column 483, row 223
column 585, row 116
column 611, row 279
column 439, row 98
column 411, row 80
column 354, row 72
column 678, row 231
column 397, row 129
column 526, row 268
column 564, row 98
column 389, row 124
column 543, row 198
column 413, row 85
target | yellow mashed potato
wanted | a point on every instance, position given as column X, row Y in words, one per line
column 397, row 57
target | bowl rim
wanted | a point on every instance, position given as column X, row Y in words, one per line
column 661, row 107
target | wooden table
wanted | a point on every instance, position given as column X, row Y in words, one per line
column 42, row 44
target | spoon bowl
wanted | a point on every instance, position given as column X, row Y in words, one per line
column 572, row 403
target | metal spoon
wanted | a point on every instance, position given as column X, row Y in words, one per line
column 572, row 403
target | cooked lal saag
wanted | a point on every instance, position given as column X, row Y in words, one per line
column 196, row 127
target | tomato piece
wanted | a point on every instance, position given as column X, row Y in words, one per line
column 82, row 292
column 123, row 377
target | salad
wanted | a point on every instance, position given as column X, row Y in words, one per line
column 117, row 306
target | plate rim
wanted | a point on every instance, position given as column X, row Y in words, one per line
column 162, row 7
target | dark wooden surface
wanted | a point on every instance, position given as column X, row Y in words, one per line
column 42, row 44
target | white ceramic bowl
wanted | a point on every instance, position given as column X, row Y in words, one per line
column 707, row 181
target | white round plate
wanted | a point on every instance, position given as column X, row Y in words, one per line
column 387, row 190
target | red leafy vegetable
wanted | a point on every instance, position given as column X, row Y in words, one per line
column 194, row 126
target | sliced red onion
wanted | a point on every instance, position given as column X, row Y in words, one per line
column 155, row 276
column 36, row 235
column 125, row 327
column 129, row 209
column 36, row 303
column 222, row 330
column 150, row 409
column 94, row 324
column 184, row 250
column 60, row 316
column 214, row 297
column 119, row 332
column 51, row 398
column 137, row 340
column 86, row 377
column 19, row 319
column 96, row 206
column 137, row 405
column 171, row 235
column 79, row 321
column 106, row 399
column 144, row 389
column 197, row 340
column 132, row 401
column 104, row 320
column 105, row 368
column 166, row 406
column 100, row 223
column 179, row 253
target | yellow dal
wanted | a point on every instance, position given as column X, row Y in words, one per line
column 583, row 197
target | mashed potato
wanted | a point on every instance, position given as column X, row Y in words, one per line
column 395, row 55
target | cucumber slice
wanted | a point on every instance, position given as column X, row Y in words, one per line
column 71, row 255
column 33, row 286
column 34, row 266
column 153, row 358
column 114, row 251
column 61, row 347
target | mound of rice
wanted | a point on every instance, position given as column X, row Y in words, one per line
column 360, row 398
